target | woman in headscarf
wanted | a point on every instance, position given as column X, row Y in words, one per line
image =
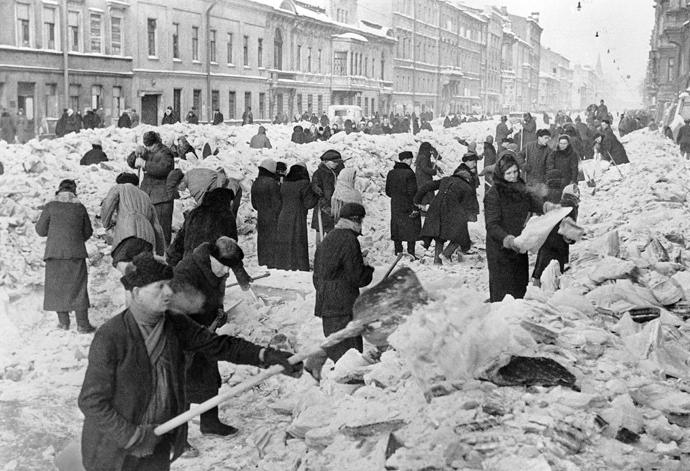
column 425, row 169
column 561, row 168
column 507, row 206
column 67, row 225
column 345, row 191
column 297, row 135
column 292, row 242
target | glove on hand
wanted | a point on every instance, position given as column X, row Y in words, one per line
column 279, row 357
column 509, row 242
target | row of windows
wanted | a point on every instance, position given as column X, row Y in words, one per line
column 50, row 30
column 425, row 83
column 311, row 65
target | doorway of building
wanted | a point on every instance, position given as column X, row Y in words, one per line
column 149, row 109
column 25, row 107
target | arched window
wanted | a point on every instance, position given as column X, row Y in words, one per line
column 278, row 50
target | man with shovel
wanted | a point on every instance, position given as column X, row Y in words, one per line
column 340, row 270
column 135, row 376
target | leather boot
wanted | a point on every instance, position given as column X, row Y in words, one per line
column 63, row 320
column 83, row 324
column 211, row 424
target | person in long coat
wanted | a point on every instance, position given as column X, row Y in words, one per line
column 502, row 130
column 557, row 246
column 297, row 196
column 135, row 377
column 345, row 191
column 66, row 224
column 169, row 117
column 529, row 130
column 406, row 221
column 683, row 139
column 124, row 121
column 205, row 271
column 157, row 161
column 323, row 184
column 561, row 165
column 425, row 170
column 260, row 140
column 95, row 155
column 72, row 122
column 452, row 208
column 340, row 270
column 8, row 130
column 507, row 206
column 129, row 213
column 533, row 158
column 265, row 197
column 297, row 135
column 611, row 147
column 207, row 222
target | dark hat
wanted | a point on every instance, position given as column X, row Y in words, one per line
column 144, row 270
column 470, row 156
column 405, row 155
column 127, row 177
column 331, row 155
column 227, row 252
column 67, row 185
column 352, row 210
column 150, row 138
column 543, row 132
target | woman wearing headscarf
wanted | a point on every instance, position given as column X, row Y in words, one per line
column 425, row 169
column 507, row 206
column 292, row 244
column 345, row 191
column 67, row 225
column 561, row 168
column 297, row 135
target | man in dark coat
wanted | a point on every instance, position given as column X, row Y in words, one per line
column 169, row 117
column 124, row 121
column 157, row 161
column 406, row 221
column 446, row 122
column 265, row 197
column 602, row 111
column 192, row 117
column 95, row 155
column 297, row 135
column 426, row 125
column 533, row 160
column 60, row 124
column 90, row 119
column 529, row 130
column 340, row 271
column 247, row 116
column 135, row 376
column 8, row 129
column 218, row 117
column 72, row 122
column 502, row 130
column 323, row 184
column 205, row 271
column 611, row 147
column 425, row 169
column 683, row 139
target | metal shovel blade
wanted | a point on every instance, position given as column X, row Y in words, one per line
column 390, row 302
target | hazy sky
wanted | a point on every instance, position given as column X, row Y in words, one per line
column 624, row 28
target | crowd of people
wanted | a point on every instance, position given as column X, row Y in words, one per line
column 175, row 283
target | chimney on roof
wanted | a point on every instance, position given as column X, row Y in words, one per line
column 535, row 16
column 504, row 11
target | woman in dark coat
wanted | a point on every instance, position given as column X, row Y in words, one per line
column 266, row 201
column 292, row 248
column 451, row 209
column 205, row 223
column 611, row 147
column 67, row 225
column 425, row 170
column 506, row 208
column 529, row 130
column 561, row 168
column 297, row 135
column 401, row 186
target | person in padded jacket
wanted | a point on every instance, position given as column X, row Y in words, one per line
column 340, row 270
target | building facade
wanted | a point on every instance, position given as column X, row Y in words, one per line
column 555, row 81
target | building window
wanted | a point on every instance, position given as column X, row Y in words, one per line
column 96, row 97
column 196, row 100
column 383, row 64
column 299, row 103
column 247, row 100
column 73, row 28
column 195, row 43
column 366, row 106
column 245, row 50
column 229, row 46
column 96, row 30
column 51, row 101
column 23, row 25
column 176, row 40
column 310, row 103
column 353, row 58
column 373, row 108
column 177, row 101
column 116, row 35
column 215, row 100
column 279, row 104
column 318, row 61
column 298, row 59
column 212, row 45
column 262, row 105
column 366, row 66
column 260, row 52
column 117, row 101
column 232, row 105
column 671, row 69
column 340, row 63
column 151, row 36
column 278, row 50
column 320, row 104
column 49, row 30
column 308, row 59
column 74, row 97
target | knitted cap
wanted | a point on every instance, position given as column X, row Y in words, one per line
column 352, row 210
column 67, row 185
column 268, row 164
column 144, row 270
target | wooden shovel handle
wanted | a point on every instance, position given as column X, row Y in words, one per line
column 254, row 278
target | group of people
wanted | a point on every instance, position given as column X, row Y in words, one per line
column 15, row 128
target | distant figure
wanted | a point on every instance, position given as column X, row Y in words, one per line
column 247, row 116
column 192, row 117
column 683, row 139
column 8, row 130
column 95, row 155
column 260, row 140
column 169, row 117
column 218, row 117
column 134, row 117
column 124, row 121
column 502, row 130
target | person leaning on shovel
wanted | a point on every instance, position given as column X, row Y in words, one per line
column 135, row 376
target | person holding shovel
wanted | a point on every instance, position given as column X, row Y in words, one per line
column 135, row 376
column 340, row 270
column 323, row 184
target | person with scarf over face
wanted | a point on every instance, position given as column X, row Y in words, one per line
column 135, row 378
column 425, row 169
column 297, row 196
column 213, row 218
column 449, row 212
column 507, row 206
column 265, row 196
column 66, row 224
column 557, row 246
column 345, row 192
column 401, row 186
column 561, row 168
column 340, row 270
column 323, row 184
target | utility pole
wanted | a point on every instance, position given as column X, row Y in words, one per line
column 414, row 55
column 208, row 61
column 65, row 57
